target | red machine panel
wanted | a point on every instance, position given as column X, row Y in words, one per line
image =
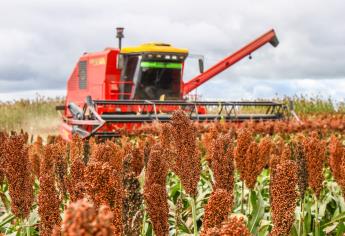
column 96, row 75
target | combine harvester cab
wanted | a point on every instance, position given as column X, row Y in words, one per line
column 124, row 88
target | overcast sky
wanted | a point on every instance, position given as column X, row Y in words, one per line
column 41, row 40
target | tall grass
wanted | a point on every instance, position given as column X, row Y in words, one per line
column 305, row 105
column 35, row 116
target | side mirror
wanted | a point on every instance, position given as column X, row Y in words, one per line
column 120, row 61
column 201, row 65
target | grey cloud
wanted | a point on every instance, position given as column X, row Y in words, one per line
column 40, row 41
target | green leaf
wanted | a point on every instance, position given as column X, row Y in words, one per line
column 330, row 228
column 323, row 205
column 340, row 229
column 174, row 191
column 258, row 210
column 338, row 218
column 7, row 219
column 264, row 228
column 294, row 231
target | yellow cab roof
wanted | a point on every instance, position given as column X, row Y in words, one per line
column 154, row 47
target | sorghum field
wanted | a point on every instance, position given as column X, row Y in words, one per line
column 180, row 178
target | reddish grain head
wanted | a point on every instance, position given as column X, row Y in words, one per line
column 76, row 185
column 61, row 165
column 83, row 218
column 35, row 154
column 132, row 213
column 165, row 138
column 234, row 226
column 145, row 147
column 48, row 199
column 315, row 151
column 299, row 155
column 16, row 167
column 3, row 137
column 217, row 209
column 157, row 208
column 222, row 156
column 137, row 161
column 265, row 147
column 284, row 195
column 187, row 162
column 337, row 161
column 208, row 139
column 244, row 139
column 250, row 167
column 157, row 168
column 103, row 180
column 155, row 194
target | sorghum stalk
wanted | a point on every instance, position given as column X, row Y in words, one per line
column 195, row 226
column 244, row 140
column 187, row 164
column 242, row 196
column 144, row 222
column 301, row 220
column 178, row 211
column 317, row 229
column 299, row 156
column 249, row 203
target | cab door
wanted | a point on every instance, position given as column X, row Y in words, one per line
column 129, row 72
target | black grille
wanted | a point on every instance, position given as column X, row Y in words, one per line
column 82, row 74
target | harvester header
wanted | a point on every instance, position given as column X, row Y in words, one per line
column 125, row 87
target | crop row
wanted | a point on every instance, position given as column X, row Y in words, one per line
column 324, row 124
column 226, row 180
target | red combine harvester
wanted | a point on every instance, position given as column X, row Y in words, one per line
column 123, row 88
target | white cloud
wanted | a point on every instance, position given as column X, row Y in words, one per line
column 40, row 41
column 31, row 94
